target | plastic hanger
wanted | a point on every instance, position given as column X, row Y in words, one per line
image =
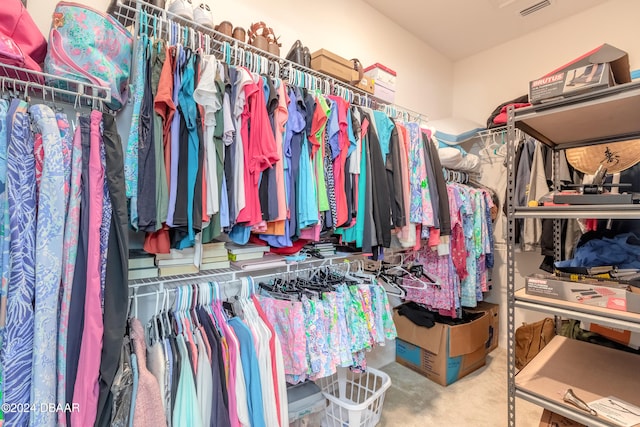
column 154, row 323
column 176, row 311
column 185, row 309
column 135, row 303
column 166, row 321
column 194, row 303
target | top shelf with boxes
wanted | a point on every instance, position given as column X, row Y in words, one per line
column 130, row 12
column 607, row 115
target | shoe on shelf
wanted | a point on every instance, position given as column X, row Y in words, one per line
column 203, row 16
column 181, row 8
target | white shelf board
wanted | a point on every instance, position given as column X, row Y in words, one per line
column 591, row 371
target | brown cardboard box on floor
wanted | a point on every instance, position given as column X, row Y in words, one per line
column 494, row 313
column 551, row 419
column 442, row 353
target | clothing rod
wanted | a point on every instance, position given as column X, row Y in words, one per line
column 219, row 276
column 491, row 131
column 130, row 14
column 24, row 80
column 223, row 284
column 223, row 290
column 159, row 281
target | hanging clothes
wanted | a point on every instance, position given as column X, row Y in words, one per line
column 78, row 289
column 17, row 351
column 5, row 233
column 148, row 406
column 48, row 261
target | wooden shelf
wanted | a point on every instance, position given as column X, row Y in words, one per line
column 607, row 115
column 591, row 371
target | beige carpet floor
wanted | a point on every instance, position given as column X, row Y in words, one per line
column 477, row 400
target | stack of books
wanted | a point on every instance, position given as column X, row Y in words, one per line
column 214, row 256
column 324, row 249
column 269, row 260
column 178, row 261
column 242, row 255
column 246, row 252
column 141, row 265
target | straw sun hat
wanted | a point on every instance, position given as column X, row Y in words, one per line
column 615, row 156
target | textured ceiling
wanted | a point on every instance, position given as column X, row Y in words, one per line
column 461, row 28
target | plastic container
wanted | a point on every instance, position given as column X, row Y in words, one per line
column 383, row 92
column 355, row 400
column 380, row 73
column 306, row 405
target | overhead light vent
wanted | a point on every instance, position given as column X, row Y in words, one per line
column 536, row 7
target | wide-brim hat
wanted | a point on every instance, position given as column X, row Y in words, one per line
column 614, row 156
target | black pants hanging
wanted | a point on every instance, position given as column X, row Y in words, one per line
column 116, row 292
column 78, row 292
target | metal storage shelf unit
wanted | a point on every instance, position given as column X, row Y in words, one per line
column 607, row 115
column 599, row 117
column 631, row 211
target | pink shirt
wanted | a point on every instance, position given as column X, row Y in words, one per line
column 260, row 150
column 281, row 116
column 233, row 360
column 339, row 162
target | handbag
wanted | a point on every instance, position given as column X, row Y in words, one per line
column 299, row 54
column 21, row 43
column 92, row 47
column 531, row 338
column 357, row 65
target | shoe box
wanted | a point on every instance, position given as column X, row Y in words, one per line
column 603, row 67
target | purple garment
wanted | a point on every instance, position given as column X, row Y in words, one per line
column 353, row 144
column 175, row 139
column 107, row 213
column 295, row 124
column 333, row 129
column 17, row 350
column 441, row 298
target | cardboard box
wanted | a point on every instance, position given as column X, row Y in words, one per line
column 602, row 67
column 551, row 419
column 333, row 65
column 494, row 325
column 442, row 353
column 621, row 336
column 599, row 293
column 366, row 84
column 384, row 92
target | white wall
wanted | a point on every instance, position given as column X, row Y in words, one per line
column 486, row 80
column 350, row 28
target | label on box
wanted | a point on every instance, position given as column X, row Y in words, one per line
column 587, row 291
column 541, row 287
column 568, row 82
column 622, row 413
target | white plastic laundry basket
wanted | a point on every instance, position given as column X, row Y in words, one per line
column 355, row 400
